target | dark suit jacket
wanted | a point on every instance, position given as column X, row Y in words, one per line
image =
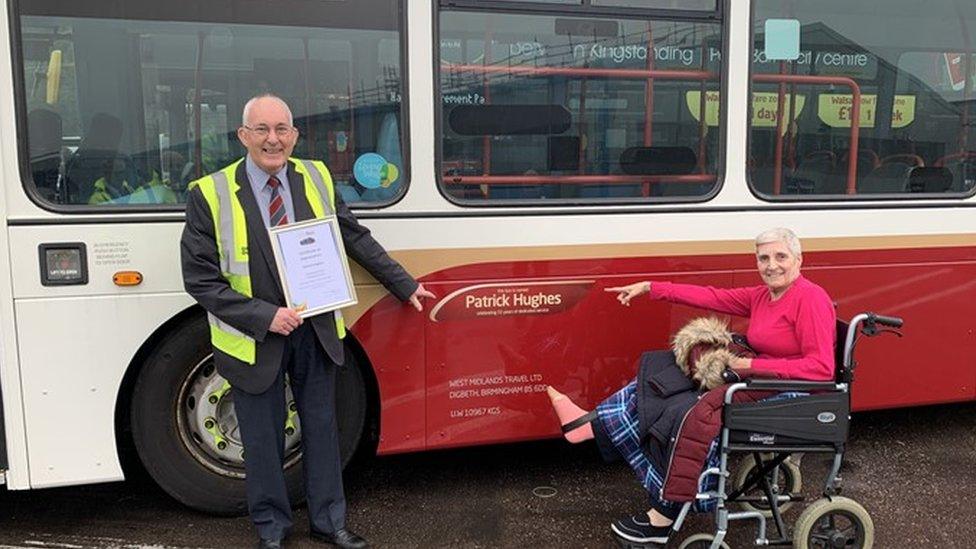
column 252, row 316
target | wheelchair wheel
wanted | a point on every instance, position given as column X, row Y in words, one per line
column 700, row 541
column 835, row 522
column 784, row 479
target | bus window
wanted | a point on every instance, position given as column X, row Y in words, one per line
column 561, row 107
column 699, row 5
column 126, row 104
column 912, row 67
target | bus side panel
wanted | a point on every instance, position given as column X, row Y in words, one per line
column 932, row 289
column 74, row 352
column 392, row 335
column 494, row 345
column 3, row 437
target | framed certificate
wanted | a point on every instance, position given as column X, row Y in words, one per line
column 312, row 266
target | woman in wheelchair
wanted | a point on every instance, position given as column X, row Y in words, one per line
column 792, row 328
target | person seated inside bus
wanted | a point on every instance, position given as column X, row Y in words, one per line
column 791, row 328
column 150, row 186
column 95, row 173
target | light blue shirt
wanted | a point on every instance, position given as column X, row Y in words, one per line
column 262, row 191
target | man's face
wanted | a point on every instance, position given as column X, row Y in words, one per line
column 268, row 134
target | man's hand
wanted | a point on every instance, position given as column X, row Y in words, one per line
column 626, row 293
column 285, row 321
column 419, row 293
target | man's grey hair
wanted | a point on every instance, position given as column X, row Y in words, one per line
column 780, row 234
column 250, row 103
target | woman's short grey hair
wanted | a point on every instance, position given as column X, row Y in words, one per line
column 780, row 234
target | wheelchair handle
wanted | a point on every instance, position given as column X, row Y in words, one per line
column 869, row 320
column 892, row 321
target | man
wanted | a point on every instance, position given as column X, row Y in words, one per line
column 229, row 268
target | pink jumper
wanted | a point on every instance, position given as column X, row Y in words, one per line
column 794, row 335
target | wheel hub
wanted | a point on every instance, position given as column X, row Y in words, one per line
column 208, row 424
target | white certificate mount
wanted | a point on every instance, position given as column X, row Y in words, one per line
column 312, row 266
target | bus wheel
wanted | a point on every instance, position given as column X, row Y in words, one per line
column 185, row 430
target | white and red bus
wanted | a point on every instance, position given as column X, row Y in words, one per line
column 516, row 156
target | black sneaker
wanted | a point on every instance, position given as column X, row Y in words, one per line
column 638, row 529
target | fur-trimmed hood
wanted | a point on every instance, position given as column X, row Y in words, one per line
column 701, row 349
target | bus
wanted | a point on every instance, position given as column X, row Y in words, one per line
column 516, row 156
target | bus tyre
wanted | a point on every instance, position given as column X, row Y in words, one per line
column 784, row 479
column 834, row 522
column 185, row 430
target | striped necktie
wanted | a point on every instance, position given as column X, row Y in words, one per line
column 278, row 215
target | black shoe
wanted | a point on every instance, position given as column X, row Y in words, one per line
column 270, row 543
column 343, row 537
column 638, row 529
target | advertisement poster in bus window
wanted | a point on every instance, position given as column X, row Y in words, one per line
column 834, row 109
column 764, row 107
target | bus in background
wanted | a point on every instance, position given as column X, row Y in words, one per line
column 517, row 156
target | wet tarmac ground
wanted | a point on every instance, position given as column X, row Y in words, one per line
column 914, row 470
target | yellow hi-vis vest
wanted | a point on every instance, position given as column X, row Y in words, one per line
column 230, row 232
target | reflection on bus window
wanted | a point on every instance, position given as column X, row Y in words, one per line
column 916, row 79
column 125, row 106
column 562, row 108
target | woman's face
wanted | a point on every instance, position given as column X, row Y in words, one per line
column 777, row 265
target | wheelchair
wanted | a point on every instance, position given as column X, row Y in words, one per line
column 814, row 420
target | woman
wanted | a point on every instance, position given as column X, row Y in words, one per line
column 791, row 327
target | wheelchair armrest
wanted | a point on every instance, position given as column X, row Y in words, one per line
column 788, row 385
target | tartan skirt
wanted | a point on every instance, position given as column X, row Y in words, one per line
column 617, row 417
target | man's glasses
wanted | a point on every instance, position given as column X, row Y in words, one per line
column 264, row 131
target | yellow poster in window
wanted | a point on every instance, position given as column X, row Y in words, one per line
column 763, row 107
column 693, row 98
column 903, row 113
column 834, row 109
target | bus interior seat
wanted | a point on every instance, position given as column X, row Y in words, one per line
column 659, row 160
column 97, row 156
column 761, row 177
column 610, row 190
column 44, row 137
column 522, row 192
column 836, row 183
column 813, row 175
column 867, row 161
column 935, row 179
column 886, row 178
column 963, row 169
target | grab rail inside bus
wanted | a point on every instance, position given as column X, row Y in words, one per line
column 579, row 72
column 649, row 74
column 783, row 79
